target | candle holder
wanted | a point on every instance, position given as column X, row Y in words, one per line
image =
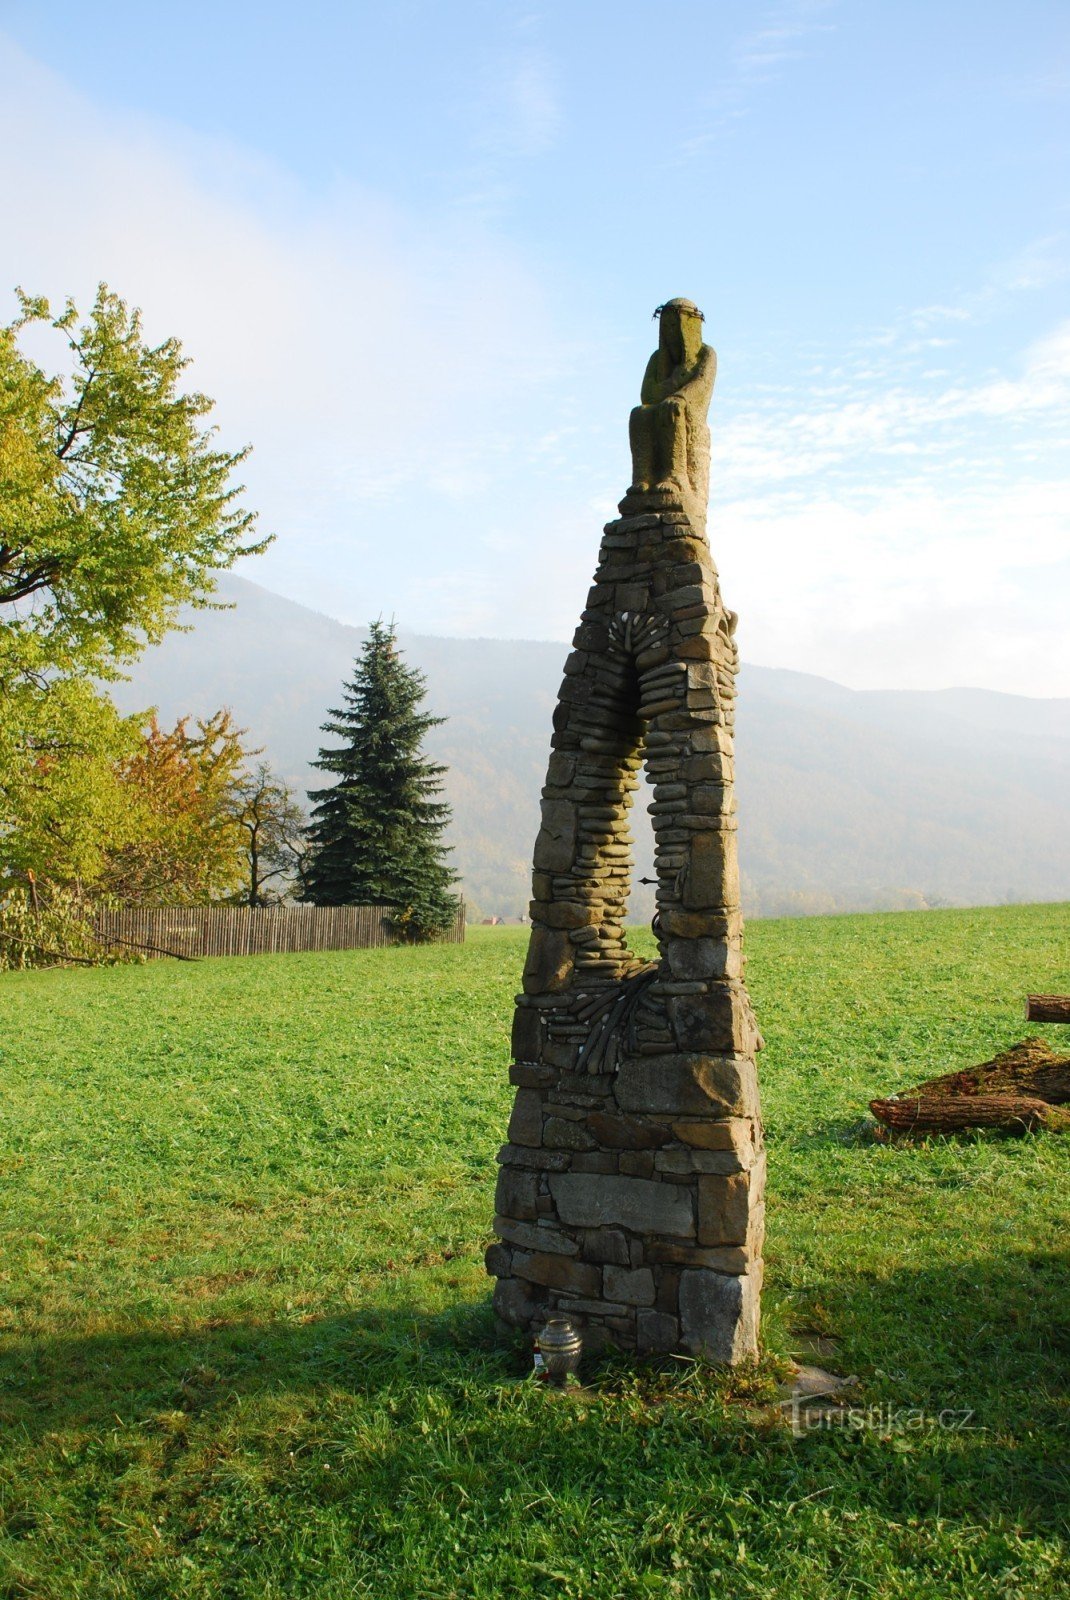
column 561, row 1347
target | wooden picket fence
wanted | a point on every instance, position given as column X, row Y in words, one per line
column 193, row 931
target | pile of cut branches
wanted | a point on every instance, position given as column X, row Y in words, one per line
column 1023, row 1088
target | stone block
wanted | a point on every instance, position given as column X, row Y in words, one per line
column 577, row 1084
column 683, row 1162
column 724, row 1205
column 735, row 1134
column 695, row 958
column 498, row 1261
column 656, row 1333
column 529, row 1236
column 518, row 1304
column 564, row 914
column 555, row 845
column 596, row 1161
column 527, row 1033
column 711, row 767
column 687, row 598
column 515, row 1195
column 687, row 572
column 725, row 1258
column 719, row 1315
column 560, row 1134
column 605, row 1245
column 558, row 1272
column 549, row 963
column 594, row 1308
column 525, row 1124
column 636, row 1163
column 712, row 876
column 590, row 635
column 692, row 924
column 634, row 1288
column 515, row 1155
column 718, row 1021
column 626, row 1133
column 592, row 1200
column 561, row 770
column 559, row 1053
column 711, row 799
column 716, row 1086
column 530, row 1075
column 705, row 741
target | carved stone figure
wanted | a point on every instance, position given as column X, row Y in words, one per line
column 669, row 437
column 630, row 1197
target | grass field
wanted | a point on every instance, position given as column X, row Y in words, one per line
column 245, row 1339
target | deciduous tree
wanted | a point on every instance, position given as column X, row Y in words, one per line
column 63, row 804
column 185, row 844
column 273, row 830
column 117, row 507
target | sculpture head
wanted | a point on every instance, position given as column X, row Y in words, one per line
column 680, row 335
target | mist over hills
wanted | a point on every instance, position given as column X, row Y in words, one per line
column 848, row 799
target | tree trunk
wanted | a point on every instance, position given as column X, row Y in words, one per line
column 1047, row 1008
column 1017, row 1112
column 1028, row 1068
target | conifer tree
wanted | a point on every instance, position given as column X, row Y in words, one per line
column 376, row 834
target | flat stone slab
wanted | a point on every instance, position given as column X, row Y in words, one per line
column 719, row 1315
column 594, row 1200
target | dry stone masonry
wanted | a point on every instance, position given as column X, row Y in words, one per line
column 630, row 1195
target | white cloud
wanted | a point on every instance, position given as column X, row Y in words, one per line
column 917, row 589
column 774, row 444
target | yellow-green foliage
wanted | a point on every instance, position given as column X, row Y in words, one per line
column 56, row 930
column 116, row 507
column 63, row 805
column 105, row 805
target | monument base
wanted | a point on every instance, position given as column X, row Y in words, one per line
column 630, row 1196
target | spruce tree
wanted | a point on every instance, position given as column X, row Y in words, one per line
column 376, row 835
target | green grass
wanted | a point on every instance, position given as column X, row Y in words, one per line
column 245, row 1339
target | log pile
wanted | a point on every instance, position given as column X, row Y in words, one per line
column 1023, row 1088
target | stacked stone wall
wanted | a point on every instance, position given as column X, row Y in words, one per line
column 630, row 1195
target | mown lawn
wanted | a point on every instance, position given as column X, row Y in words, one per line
column 245, row 1339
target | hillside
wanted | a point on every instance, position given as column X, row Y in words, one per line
column 848, row 799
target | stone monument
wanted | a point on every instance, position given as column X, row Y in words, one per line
column 630, row 1195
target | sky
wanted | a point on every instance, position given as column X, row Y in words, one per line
column 413, row 252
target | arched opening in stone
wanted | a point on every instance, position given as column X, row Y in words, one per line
column 627, row 703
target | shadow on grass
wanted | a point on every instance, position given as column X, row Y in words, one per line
column 992, row 1337
column 88, row 1382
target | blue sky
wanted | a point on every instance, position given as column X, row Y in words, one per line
column 414, row 251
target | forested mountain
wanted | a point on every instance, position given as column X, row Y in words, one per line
column 848, row 799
